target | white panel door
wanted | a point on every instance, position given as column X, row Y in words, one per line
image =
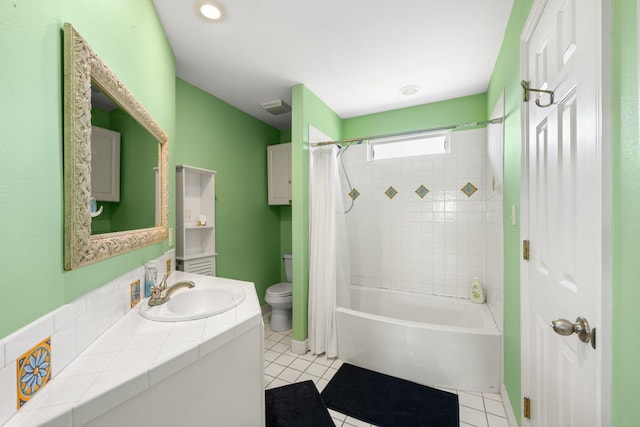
column 564, row 167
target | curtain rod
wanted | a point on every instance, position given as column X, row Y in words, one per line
column 411, row 132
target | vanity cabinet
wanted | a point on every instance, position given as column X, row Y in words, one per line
column 279, row 170
column 195, row 220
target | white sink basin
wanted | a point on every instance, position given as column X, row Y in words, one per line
column 204, row 300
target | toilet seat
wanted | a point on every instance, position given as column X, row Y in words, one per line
column 280, row 290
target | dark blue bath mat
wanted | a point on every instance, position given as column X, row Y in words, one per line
column 296, row 405
column 388, row 401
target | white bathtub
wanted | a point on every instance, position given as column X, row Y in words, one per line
column 437, row 341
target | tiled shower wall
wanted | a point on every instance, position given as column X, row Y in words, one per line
column 433, row 244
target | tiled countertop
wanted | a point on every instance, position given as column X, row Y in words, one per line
column 133, row 355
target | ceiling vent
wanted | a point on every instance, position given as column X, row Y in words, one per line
column 276, row 107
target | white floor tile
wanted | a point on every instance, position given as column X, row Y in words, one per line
column 337, row 363
column 277, row 383
column 322, row 383
column 471, row 400
column 337, row 415
column 289, row 375
column 330, row 373
column 270, row 355
column 473, row 416
column 492, row 396
column 280, row 347
column 268, row 344
column 300, row 364
column 324, row 361
column 277, row 336
column 495, row 421
column 285, row 359
column 356, row 422
column 274, row 369
column 316, row 370
column 267, row 380
column 495, row 408
column 308, row 356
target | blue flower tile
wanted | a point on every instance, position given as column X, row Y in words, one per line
column 33, row 371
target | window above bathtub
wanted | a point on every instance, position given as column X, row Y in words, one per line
column 409, row 146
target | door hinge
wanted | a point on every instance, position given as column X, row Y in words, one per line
column 525, row 250
column 527, row 408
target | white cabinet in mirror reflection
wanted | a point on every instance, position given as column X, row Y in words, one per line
column 105, row 164
column 279, row 170
column 195, row 220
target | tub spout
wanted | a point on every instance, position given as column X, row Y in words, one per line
column 161, row 294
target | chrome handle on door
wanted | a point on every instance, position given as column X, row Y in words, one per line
column 580, row 327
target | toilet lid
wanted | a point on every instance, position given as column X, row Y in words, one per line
column 280, row 289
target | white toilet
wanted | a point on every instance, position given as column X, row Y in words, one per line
column 279, row 297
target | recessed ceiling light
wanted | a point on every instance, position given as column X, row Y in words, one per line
column 210, row 11
column 409, row 89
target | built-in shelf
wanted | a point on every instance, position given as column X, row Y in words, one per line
column 195, row 206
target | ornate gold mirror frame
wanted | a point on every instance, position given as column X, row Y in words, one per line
column 82, row 66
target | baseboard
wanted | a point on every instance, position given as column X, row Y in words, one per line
column 299, row 347
column 511, row 417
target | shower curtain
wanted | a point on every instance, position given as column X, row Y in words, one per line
column 329, row 274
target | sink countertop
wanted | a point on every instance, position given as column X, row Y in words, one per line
column 134, row 355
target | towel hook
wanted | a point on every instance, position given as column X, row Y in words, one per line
column 525, row 94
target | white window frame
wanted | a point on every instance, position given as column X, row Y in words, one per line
column 412, row 145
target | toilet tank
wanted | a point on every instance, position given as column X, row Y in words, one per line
column 288, row 267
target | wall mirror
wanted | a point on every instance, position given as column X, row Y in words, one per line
column 147, row 223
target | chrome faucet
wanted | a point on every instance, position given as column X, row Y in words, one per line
column 161, row 293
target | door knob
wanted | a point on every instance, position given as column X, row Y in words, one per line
column 580, row 327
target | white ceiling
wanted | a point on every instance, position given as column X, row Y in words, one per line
column 355, row 55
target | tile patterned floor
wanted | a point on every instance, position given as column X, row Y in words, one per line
column 283, row 367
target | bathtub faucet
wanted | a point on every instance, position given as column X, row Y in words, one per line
column 161, row 293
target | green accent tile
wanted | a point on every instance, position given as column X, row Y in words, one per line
column 422, row 191
column 469, row 189
column 354, row 194
column 391, row 192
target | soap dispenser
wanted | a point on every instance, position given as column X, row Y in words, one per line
column 477, row 293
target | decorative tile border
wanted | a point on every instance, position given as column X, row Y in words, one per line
column 33, row 371
column 422, row 191
column 391, row 192
column 469, row 189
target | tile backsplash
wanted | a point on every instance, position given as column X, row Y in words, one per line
column 419, row 224
column 70, row 329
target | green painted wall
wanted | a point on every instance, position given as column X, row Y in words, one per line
column 506, row 76
column 138, row 158
column 451, row 112
column 625, row 212
column 307, row 110
column 286, row 236
column 212, row 134
column 129, row 38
